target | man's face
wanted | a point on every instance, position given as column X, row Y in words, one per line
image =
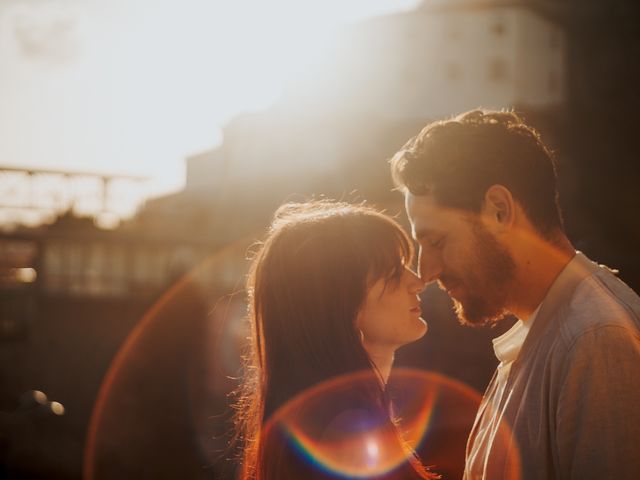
column 458, row 251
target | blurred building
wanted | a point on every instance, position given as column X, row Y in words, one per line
column 71, row 294
column 330, row 133
column 386, row 78
column 453, row 55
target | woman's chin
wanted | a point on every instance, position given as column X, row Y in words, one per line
column 420, row 330
column 424, row 328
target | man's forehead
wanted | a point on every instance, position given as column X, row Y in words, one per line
column 426, row 215
column 421, row 206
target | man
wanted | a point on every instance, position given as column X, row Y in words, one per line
column 564, row 403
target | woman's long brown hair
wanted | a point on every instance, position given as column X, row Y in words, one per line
column 306, row 285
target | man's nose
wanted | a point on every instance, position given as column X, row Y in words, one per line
column 430, row 267
column 416, row 283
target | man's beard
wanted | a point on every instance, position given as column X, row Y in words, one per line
column 486, row 281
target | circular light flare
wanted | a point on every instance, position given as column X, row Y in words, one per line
column 356, row 444
column 25, row 274
column 373, row 451
column 38, row 397
column 57, row 408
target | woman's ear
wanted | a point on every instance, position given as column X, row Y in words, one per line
column 498, row 208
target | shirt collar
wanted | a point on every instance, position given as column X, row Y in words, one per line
column 508, row 345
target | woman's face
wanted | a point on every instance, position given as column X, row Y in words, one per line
column 390, row 316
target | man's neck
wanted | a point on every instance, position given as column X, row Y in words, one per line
column 539, row 264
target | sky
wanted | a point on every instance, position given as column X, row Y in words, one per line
column 135, row 86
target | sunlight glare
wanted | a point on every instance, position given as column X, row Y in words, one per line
column 135, row 87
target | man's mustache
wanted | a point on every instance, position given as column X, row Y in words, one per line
column 447, row 281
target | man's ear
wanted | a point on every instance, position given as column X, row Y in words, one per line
column 498, row 208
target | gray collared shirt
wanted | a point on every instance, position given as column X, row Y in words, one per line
column 570, row 405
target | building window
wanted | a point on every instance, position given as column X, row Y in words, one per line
column 118, row 274
column 142, row 263
column 498, row 28
column 54, row 267
column 95, row 273
column 453, row 31
column 498, row 71
column 554, row 39
column 452, row 72
column 75, row 256
column 553, row 82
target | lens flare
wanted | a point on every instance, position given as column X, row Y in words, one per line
column 330, row 427
column 154, row 414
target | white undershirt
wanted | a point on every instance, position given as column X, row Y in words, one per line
column 506, row 347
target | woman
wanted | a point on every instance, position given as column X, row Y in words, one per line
column 331, row 294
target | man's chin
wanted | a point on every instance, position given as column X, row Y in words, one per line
column 477, row 315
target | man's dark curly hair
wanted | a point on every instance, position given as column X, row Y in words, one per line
column 457, row 160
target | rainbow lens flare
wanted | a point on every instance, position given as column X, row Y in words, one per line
column 340, row 438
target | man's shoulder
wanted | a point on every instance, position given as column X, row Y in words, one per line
column 600, row 301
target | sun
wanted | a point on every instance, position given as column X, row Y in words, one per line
column 134, row 87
